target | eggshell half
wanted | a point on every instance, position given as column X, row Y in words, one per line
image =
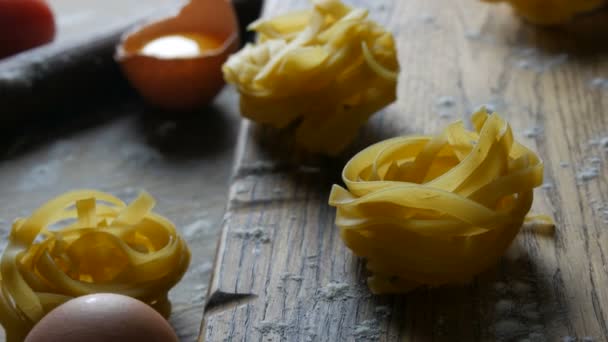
column 181, row 83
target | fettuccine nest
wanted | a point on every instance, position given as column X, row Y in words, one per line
column 324, row 71
column 553, row 12
column 435, row 210
column 111, row 247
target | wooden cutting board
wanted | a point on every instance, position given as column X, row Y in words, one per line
column 281, row 271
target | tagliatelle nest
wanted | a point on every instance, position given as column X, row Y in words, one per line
column 111, row 247
column 435, row 210
column 552, row 12
column 325, row 71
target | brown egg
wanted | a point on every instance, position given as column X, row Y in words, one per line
column 102, row 317
column 176, row 63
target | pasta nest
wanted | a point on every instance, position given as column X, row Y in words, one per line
column 435, row 210
column 552, row 12
column 324, row 70
column 109, row 247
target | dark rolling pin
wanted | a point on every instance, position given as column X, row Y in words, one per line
column 60, row 79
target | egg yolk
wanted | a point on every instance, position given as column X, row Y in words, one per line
column 183, row 45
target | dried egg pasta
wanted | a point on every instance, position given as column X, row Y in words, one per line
column 434, row 210
column 323, row 71
column 110, row 247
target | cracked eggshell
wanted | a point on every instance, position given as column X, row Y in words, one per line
column 188, row 82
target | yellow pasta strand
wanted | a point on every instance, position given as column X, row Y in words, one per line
column 436, row 210
column 109, row 247
column 318, row 71
column 552, row 12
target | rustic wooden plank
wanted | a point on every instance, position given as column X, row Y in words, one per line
column 281, row 271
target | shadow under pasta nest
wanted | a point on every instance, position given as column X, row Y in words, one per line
column 585, row 36
column 189, row 135
column 512, row 301
column 279, row 145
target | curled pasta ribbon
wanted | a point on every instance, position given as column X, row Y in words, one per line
column 109, row 247
column 435, row 210
column 552, row 12
column 323, row 71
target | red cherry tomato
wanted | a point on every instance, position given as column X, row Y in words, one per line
column 24, row 24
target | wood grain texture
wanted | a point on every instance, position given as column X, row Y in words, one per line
column 281, row 271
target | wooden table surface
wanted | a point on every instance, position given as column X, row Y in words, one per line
column 282, row 273
column 184, row 162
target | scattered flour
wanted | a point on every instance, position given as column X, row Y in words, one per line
column 203, row 268
column 256, row 234
column 495, row 104
column 227, row 216
column 140, row 154
column 587, row 174
column 367, row 330
column 533, row 132
column 195, row 228
column 547, row 186
column 40, row 176
column 478, row 36
column 517, row 312
column 63, row 150
column 427, row 18
column 523, row 64
column 240, row 188
column 268, row 327
column 599, row 82
column 445, row 104
column 128, row 194
column 595, row 160
column 446, row 101
column 335, row 291
column 534, row 60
